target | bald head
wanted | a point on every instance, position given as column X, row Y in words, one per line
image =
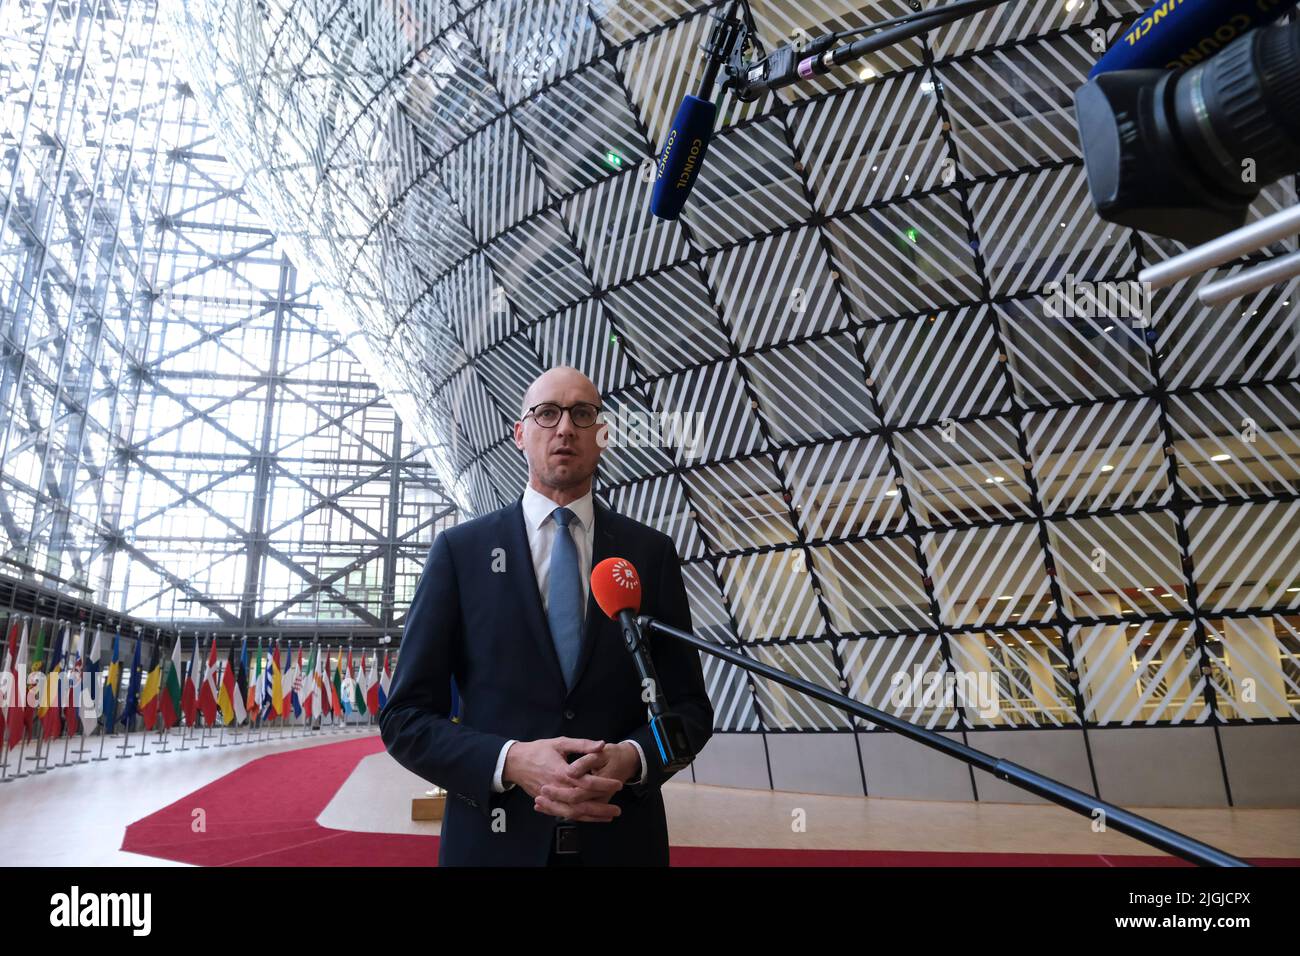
column 560, row 380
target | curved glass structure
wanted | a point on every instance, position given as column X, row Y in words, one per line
column 876, row 382
column 181, row 438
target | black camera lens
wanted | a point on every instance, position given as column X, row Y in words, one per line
column 1239, row 112
column 1184, row 154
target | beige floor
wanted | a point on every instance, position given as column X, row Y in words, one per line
column 77, row 815
column 701, row 815
column 83, row 811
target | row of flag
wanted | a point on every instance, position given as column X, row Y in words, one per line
column 68, row 690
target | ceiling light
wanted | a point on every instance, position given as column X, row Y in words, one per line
column 1220, row 458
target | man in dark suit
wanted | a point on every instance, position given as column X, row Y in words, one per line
column 503, row 606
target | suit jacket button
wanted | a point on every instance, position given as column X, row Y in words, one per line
column 568, row 715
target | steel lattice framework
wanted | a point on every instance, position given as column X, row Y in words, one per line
column 183, row 438
column 905, row 459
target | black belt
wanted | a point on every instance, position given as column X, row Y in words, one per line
column 566, row 838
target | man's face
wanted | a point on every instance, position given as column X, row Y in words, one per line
column 564, row 456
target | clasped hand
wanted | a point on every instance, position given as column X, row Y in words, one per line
column 578, row 791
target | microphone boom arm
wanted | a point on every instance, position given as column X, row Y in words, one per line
column 786, row 66
column 1126, row 822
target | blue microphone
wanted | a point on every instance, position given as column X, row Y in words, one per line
column 1182, row 33
column 683, row 154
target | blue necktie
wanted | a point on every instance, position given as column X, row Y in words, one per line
column 564, row 597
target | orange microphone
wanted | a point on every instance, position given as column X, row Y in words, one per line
column 617, row 589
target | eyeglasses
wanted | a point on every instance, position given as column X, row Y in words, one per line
column 547, row 414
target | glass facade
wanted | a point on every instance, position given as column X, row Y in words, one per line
column 883, row 420
column 184, row 439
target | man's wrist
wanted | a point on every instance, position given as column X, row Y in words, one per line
column 634, row 762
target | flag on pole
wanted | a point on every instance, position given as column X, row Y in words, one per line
column 51, row 720
column 254, row 691
column 8, row 686
column 36, row 680
column 337, row 696
column 112, row 685
column 372, row 690
column 385, row 681
column 359, row 686
column 93, row 690
column 275, row 681
column 132, row 688
column 72, row 686
column 241, row 681
column 171, row 695
column 230, row 702
column 311, row 688
column 241, row 684
column 264, row 691
column 208, row 693
column 190, row 692
column 16, row 667
column 348, row 688
column 326, row 686
column 152, row 685
column 288, row 703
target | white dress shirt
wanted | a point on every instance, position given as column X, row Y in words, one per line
column 540, row 524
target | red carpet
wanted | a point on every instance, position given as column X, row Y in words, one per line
column 264, row 814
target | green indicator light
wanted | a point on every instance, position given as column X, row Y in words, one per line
column 613, row 160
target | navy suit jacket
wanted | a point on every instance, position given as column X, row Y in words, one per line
column 477, row 615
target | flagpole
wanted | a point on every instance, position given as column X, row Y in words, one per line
column 5, row 750
column 165, row 735
column 103, row 738
column 157, row 711
column 144, row 750
column 240, row 693
column 18, row 774
column 105, row 730
column 80, row 693
column 181, row 722
column 166, row 731
column 126, row 741
column 203, row 739
column 130, row 721
column 22, row 750
column 260, row 680
column 297, row 677
column 40, row 764
column 284, row 711
column 221, row 670
column 67, row 738
column 339, row 714
column 370, row 711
